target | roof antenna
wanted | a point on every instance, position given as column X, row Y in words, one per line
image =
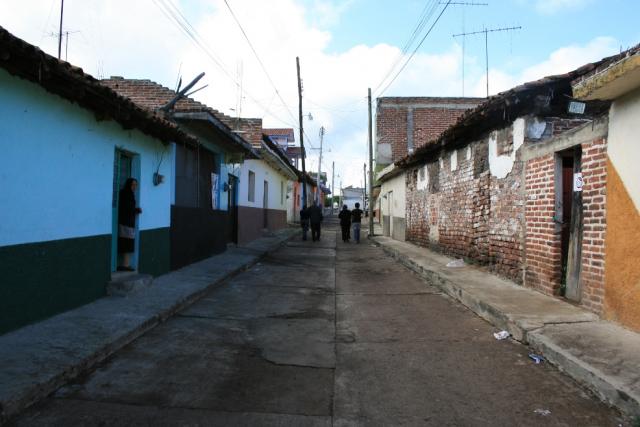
column 169, row 105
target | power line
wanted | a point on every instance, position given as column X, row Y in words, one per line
column 174, row 15
column 424, row 17
column 255, row 53
column 416, row 49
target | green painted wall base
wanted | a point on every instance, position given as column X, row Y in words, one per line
column 155, row 251
column 41, row 279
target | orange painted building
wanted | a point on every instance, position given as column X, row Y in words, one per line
column 620, row 84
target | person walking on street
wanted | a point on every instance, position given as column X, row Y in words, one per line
column 304, row 221
column 356, row 219
column 315, row 218
column 345, row 223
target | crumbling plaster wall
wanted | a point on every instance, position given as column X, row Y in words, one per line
column 469, row 202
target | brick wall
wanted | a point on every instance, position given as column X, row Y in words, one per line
column 543, row 237
column 401, row 122
column 470, row 213
column 594, row 172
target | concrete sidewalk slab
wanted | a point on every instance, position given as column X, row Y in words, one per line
column 39, row 358
column 600, row 355
column 503, row 303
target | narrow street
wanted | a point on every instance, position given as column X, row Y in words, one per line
column 322, row 334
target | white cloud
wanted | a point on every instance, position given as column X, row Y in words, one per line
column 142, row 43
column 560, row 61
column 553, row 6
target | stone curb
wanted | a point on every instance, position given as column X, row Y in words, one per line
column 39, row 390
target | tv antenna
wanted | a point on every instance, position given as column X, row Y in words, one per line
column 465, row 3
column 486, row 32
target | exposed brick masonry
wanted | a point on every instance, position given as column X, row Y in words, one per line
column 430, row 116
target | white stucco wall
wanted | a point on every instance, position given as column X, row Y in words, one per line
column 623, row 146
column 263, row 172
column 56, row 179
column 398, row 186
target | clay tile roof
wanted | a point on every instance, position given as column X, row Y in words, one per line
column 27, row 61
column 288, row 132
column 502, row 108
column 151, row 95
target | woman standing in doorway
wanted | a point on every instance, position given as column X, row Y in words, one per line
column 127, row 212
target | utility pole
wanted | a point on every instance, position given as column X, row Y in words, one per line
column 486, row 32
column 370, row 169
column 364, row 189
column 60, row 31
column 319, row 165
column 333, row 178
column 304, row 171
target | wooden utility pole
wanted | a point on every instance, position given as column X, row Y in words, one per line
column 370, row 169
column 333, row 189
column 319, row 166
column 364, row 189
column 304, row 170
column 60, row 31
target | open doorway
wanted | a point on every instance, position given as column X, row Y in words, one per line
column 126, row 166
column 569, row 220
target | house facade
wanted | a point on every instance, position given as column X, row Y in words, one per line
column 66, row 155
column 619, row 83
column 205, row 181
column 404, row 124
column 519, row 184
column 265, row 184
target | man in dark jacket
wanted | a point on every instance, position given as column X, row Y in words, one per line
column 304, row 221
column 345, row 223
column 356, row 219
column 315, row 218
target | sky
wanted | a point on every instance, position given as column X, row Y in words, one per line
column 344, row 46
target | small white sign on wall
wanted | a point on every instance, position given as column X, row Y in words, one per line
column 577, row 181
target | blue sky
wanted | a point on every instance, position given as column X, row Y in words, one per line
column 345, row 46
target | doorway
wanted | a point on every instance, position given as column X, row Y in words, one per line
column 126, row 165
column 569, row 220
column 265, row 205
column 232, row 195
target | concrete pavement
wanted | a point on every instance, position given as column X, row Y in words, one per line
column 319, row 334
column 37, row 359
column 600, row 355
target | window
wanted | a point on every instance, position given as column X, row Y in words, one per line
column 252, row 186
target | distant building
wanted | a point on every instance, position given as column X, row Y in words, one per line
column 352, row 195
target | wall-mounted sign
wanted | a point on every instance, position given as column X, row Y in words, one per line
column 577, row 181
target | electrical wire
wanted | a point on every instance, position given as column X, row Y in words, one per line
column 427, row 12
column 174, row 15
column 415, row 50
column 255, row 53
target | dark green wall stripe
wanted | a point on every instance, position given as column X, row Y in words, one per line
column 42, row 279
column 155, row 251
